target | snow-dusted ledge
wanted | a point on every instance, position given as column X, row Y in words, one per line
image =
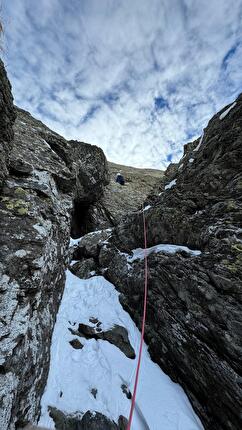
column 139, row 253
column 161, row 404
column 171, row 184
column 200, row 142
column 225, row 113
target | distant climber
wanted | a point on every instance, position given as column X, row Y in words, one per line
column 120, row 179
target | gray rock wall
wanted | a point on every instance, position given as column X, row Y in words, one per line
column 47, row 174
column 194, row 314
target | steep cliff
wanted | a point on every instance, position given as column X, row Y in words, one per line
column 194, row 315
column 50, row 184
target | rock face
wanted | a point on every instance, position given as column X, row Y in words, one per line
column 119, row 200
column 48, row 190
column 194, row 315
column 7, row 117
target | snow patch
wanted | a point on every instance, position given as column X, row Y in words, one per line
column 74, row 262
column 74, row 241
column 200, row 142
column 139, row 253
column 20, row 253
column 225, row 113
column 146, row 208
column 171, row 184
column 191, row 160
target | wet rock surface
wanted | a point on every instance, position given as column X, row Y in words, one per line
column 49, row 184
column 194, row 314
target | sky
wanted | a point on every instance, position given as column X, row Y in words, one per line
column 138, row 78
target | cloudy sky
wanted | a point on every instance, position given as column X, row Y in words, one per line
column 137, row 77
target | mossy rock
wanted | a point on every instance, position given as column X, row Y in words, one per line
column 237, row 247
column 22, row 211
column 20, row 206
column 21, row 192
column 231, row 205
column 235, row 266
column 239, row 184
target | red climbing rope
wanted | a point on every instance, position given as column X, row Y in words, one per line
column 143, row 325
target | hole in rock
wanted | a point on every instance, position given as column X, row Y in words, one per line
column 17, row 172
column 2, row 370
column 21, row 423
column 81, row 219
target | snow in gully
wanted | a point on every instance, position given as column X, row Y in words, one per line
column 101, row 368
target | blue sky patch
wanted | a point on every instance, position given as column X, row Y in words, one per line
column 89, row 114
column 160, row 103
column 229, row 54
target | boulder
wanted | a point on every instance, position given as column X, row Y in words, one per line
column 117, row 335
column 84, row 269
column 89, row 245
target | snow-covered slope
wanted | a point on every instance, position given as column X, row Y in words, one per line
column 102, row 368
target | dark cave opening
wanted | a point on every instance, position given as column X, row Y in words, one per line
column 81, row 222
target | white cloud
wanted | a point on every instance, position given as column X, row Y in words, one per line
column 92, row 69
